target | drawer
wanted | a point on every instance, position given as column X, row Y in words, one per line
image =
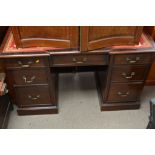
column 29, row 76
column 124, row 92
column 129, row 73
column 79, row 60
column 27, row 62
column 132, row 59
column 33, row 96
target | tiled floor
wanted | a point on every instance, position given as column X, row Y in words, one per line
column 79, row 108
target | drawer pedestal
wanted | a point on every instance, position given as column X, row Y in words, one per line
column 33, row 85
column 120, row 86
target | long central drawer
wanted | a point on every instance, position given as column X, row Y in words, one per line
column 79, row 60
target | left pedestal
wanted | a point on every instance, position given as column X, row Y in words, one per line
column 32, row 85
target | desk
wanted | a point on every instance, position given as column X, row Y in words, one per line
column 33, row 80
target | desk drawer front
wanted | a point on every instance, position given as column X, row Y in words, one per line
column 79, row 60
column 29, row 76
column 129, row 73
column 132, row 59
column 33, row 96
column 27, row 62
column 124, row 92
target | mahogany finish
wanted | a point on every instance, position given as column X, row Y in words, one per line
column 52, row 36
column 33, row 87
column 29, row 76
column 124, row 92
column 33, row 96
column 94, row 37
column 129, row 73
column 79, row 60
column 121, row 85
column 132, row 59
column 29, row 62
column 91, row 37
column 38, row 110
column 33, row 80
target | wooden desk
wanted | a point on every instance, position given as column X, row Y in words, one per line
column 33, row 81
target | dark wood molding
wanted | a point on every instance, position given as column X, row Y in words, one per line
column 38, row 110
column 70, row 38
column 99, row 39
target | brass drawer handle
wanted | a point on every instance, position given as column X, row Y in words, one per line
column 24, row 65
column 132, row 61
column 80, row 62
column 28, row 81
column 34, row 98
column 123, row 94
column 128, row 76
